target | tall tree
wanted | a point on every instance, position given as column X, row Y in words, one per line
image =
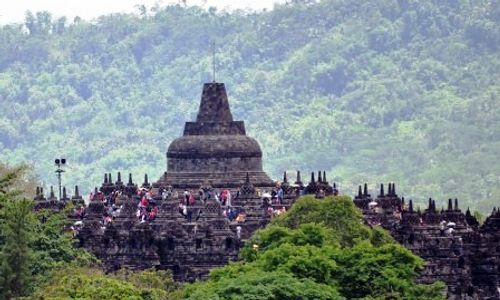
column 17, row 224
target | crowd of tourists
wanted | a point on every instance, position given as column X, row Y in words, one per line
column 189, row 203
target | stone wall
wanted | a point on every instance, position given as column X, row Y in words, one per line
column 466, row 258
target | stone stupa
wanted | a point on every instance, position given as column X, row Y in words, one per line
column 214, row 150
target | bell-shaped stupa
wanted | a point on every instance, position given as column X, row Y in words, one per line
column 214, row 149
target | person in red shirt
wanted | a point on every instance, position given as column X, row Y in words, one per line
column 144, row 202
column 153, row 213
column 192, row 199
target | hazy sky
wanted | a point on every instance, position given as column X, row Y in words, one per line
column 14, row 10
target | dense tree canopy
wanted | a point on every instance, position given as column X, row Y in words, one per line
column 31, row 243
column 16, row 256
column 374, row 91
column 90, row 283
column 300, row 258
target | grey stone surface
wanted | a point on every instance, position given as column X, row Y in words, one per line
column 214, row 148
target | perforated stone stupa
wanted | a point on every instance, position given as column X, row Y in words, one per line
column 215, row 148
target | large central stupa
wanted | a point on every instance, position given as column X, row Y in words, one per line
column 215, row 149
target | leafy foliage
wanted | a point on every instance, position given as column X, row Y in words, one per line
column 306, row 252
column 16, row 257
column 338, row 213
column 16, row 232
column 53, row 247
column 367, row 270
column 371, row 91
column 89, row 283
column 259, row 285
column 149, row 279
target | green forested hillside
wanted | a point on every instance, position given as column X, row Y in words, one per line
column 403, row 90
